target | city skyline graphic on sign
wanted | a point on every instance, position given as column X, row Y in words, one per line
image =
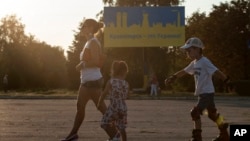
column 144, row 26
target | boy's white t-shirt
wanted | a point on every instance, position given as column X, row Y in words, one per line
column 90, row 74
column 202, row 70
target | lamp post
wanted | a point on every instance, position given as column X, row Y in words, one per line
column 172, row 51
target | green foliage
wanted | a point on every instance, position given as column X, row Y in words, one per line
column 185, row 84
column 74, row 58
column 242, row 87
column 227, row 35
column 225, row 32
column 29, row 64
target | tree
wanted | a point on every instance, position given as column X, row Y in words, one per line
column 73, row 58
column 29, row 63
column 225, row 32
column 227, row 37
column 12, row 38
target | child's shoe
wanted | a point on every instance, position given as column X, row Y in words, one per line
column 223, row 136
column 71, row 138
column 114, row 139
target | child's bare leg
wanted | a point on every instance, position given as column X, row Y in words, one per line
column 110, row 130
column 123, row 134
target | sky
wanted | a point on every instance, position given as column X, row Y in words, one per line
column 54, row 21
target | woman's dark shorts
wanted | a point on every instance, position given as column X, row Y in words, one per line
column 93, row 84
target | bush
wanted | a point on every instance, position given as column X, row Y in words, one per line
column 242, row 87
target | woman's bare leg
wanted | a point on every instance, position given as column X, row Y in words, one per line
column 80, row 114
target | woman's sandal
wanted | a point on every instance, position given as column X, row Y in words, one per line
column 71, row 138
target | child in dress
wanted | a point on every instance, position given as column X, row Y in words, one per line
column 117, row 87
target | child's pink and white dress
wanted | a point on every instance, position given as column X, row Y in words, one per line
column 117, row 110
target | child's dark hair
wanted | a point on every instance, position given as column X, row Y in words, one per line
column 119, row 68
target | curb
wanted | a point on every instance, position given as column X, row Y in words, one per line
column 237, row 98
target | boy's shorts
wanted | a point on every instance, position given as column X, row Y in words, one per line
column 206, row 101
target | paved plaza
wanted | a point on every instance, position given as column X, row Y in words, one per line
column 148, row 120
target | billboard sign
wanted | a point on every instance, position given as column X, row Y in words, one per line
column 144, row 26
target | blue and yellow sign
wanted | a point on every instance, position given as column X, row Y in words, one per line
column 144, row 26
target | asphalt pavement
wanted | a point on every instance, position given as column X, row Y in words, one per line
column 148, row 119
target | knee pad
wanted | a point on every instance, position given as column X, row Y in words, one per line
column 195, row 113
column 212, row 114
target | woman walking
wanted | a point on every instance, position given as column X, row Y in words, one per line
column 91, row 77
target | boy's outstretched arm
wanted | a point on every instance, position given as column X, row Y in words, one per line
column 180, row 73
column 173, row 77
